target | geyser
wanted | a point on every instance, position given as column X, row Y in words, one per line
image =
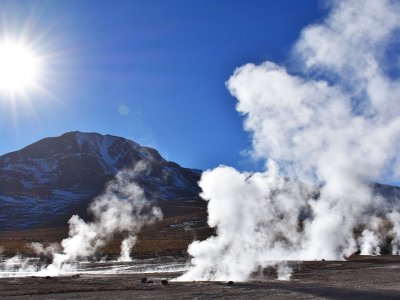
column 325, row 132
column 123, row 208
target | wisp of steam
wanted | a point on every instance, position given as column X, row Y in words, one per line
column 327, row 126
column 122, row 209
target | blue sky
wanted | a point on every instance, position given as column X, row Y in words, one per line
column 150, row 71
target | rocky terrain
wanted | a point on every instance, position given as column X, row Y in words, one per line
column 362, row 278
column 43, row 184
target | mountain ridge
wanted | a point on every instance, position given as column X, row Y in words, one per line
column 55, row 174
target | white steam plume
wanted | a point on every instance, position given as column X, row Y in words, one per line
column 126, row 247
column 121, row 209
column 394, row 217
column 324, row 133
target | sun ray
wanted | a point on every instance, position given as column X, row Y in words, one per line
column 20, row 67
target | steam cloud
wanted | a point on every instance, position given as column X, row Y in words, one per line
column 325, row 133
column 122, row 208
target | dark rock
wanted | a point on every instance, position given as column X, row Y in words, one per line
column 164, row 282
column 143, row 280
column 230, row 282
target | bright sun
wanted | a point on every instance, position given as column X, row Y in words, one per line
column 20, row 68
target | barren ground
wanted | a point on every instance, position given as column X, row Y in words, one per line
column 361, row 278
column 182, row 223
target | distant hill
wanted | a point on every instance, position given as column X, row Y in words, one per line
column 48, row 181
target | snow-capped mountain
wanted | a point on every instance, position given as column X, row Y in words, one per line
column 58, row 176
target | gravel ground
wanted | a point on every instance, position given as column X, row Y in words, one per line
column 360, row 278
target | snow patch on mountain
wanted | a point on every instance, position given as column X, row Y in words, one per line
column 56, row 175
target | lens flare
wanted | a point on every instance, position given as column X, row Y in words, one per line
column 20, row 68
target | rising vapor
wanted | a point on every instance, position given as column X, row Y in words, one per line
column 122, row 209
column 325, row 133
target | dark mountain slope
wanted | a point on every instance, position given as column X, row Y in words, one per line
column 58, row 176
